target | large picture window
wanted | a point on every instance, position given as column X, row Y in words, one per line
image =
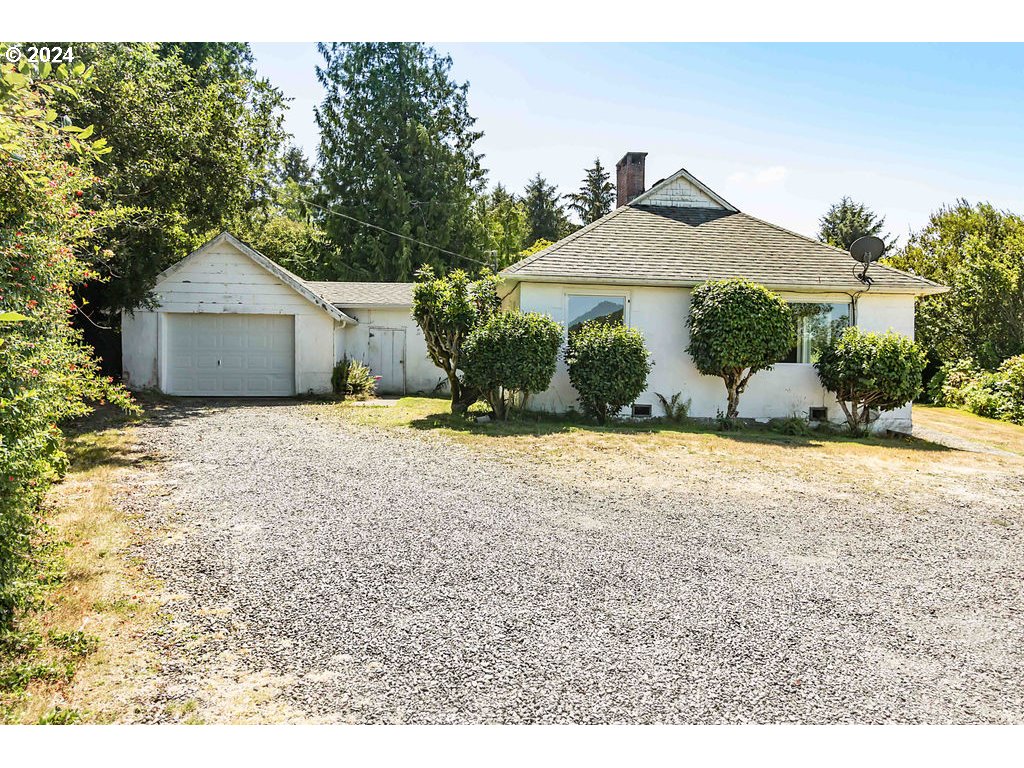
column 581, row 310
column 816, row 325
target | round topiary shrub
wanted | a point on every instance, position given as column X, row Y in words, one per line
column 608, row 366
column 510, row 356
column 870, row 373
column 737, row 328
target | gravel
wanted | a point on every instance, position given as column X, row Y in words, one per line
column 389, row 576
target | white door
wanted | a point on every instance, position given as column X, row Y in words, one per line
column 387, row 359
column 230, row 355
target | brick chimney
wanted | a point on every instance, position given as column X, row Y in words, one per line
column 629, row 177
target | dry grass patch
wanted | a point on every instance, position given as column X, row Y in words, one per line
column 967, row 426
column 100, row 602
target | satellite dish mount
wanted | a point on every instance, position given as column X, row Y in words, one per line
column 867, row 250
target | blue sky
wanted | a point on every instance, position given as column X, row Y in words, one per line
column 779, row 130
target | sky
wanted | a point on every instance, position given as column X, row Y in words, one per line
column 781, row 131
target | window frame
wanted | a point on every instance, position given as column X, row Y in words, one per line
column 595, row 293
column 850, row 321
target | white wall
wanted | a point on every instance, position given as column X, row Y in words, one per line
column 223, row 279
column 661, row 313
column 421, row 375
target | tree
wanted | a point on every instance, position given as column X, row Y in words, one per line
column 978, row 251
column 447, row 309
column 545, row 215
column 737, row 328
column 506, row 224
column 47, row 373
column 596, row 195
column 608, row 366
column 870, row 372
column 846, row 221
column 194, row 141
column 397, row 151
column 510, row 356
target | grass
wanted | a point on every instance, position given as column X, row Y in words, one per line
column 78, row 653
column 660, row 454
column 998, row 434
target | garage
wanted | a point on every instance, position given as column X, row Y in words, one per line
column 230, row 355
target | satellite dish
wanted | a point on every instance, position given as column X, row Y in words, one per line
column 867, row 249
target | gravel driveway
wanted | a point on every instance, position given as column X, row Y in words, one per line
column 381, row 576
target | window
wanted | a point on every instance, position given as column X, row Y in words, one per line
column 642, row 410
column 594, row 309
column 816, row 324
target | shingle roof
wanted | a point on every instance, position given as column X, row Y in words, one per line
column 364, row 294
column 640, row 244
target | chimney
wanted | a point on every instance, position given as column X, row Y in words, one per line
column 629, row 177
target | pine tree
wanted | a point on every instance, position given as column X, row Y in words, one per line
column 846, row 221
column 596, row 194
column 545, row 214
column 396, row 151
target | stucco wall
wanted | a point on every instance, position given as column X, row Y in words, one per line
column 421, row 375
column 661, row 313
column 224, row 280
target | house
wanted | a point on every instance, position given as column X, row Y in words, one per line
column 229, row 321
column 638, row 265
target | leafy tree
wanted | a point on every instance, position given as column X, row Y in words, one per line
column 846, row 221
column 506, row 224
column 608, row 366
column 195, row 141
column 447, row 310
column 978, row 251
column 510, row 356
column 297, row 245
column 870, row 372
column 596, row 195
column 545, row 215
column 397, row 150
column 47, row 373
column 737, row 328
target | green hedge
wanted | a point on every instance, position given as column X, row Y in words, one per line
column 994, row 394
column 608, row 366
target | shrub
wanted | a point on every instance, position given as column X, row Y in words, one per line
column 737, row 328
column 352, row 378
column 993, row 394
column 447, row 309
column 946, row 385
column 608, row 366
column 510, row 356
column 794, row 426
column 676, row 410
column 1011, row 374
column 870, row 372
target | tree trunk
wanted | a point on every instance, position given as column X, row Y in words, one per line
column 733, row 410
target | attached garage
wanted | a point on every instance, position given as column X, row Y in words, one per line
column 230, row 322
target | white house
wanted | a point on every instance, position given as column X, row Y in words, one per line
column 639, row 264
column 229, row 321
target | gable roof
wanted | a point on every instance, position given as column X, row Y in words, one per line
column 694, row 240
column 290, row 279
column 364, row 294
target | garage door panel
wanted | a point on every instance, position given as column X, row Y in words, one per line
column 230, row 355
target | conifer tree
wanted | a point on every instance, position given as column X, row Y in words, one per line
column 596, row 195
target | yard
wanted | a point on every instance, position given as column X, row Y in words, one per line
column 351, row 563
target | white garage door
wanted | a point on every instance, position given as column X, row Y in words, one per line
column 220, row 354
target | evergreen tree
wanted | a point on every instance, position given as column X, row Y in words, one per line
column 846, row 220
column 545, row 214
column 596, row 195
column 506, row 222
column 397, row 151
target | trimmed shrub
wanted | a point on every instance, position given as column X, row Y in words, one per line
column 510, row 356
column 737, row 328
column 608, row 366
column 870, row 373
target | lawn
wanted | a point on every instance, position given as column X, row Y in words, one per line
column 655, row 454
column 995, row 434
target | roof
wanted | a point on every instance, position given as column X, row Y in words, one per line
column 686, row 245
column 290, row 279
column 364, row 294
